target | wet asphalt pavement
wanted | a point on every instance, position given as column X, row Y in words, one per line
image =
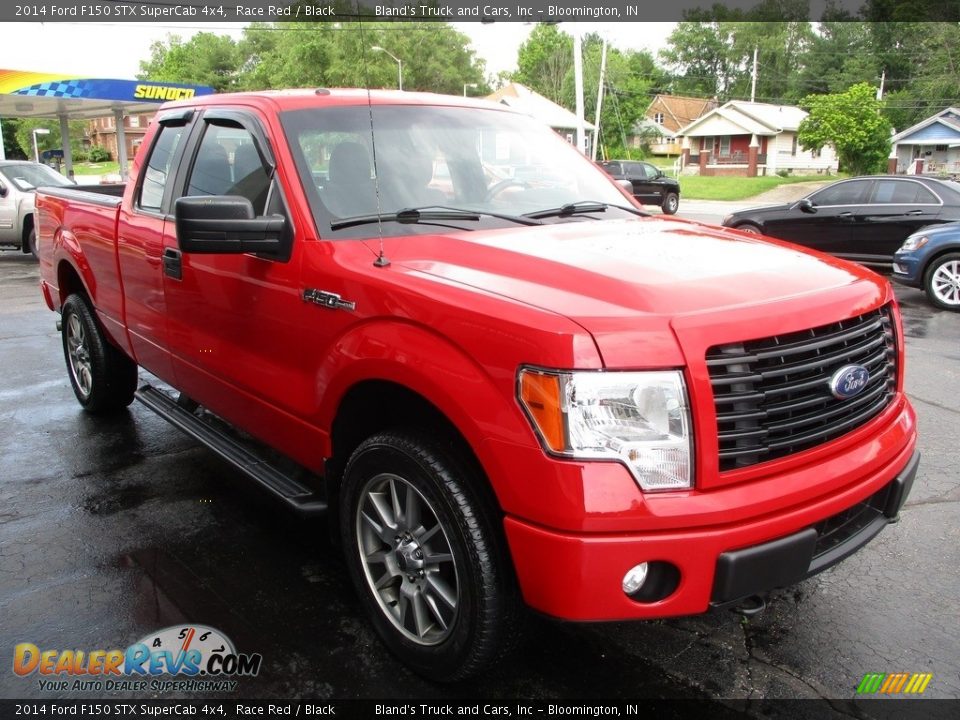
column 111, row 529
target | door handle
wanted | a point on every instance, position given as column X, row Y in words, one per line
column 848, row 216
column 914, row 212
column 172, row 266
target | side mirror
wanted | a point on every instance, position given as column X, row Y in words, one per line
column 3, row 190
column 806, row 205
column 626, row 185
column 226, row 224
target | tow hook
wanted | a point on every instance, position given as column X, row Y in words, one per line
column 753, row 605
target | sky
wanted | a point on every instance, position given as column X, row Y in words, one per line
column 114, row 50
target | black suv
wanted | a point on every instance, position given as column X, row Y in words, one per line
column 650, row 186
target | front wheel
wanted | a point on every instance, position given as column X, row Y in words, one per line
column 424, row 551
column 748, row 228
column 671, row 203
column 941, row 282
column 103, row 378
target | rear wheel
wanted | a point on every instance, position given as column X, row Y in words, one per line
column 425, row 554
column 103, row 378
column 941, row 282
column 32, row 243
column 671, row 202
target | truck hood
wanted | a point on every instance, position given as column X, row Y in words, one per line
column 600, row 273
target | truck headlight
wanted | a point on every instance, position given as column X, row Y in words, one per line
column 641, row 419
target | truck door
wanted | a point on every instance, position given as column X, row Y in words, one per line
column 236, row 320
column 142, row 231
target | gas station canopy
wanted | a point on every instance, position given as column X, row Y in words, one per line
column 25, row 94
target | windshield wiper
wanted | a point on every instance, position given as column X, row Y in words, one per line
column 432, row 213
column 580, row 207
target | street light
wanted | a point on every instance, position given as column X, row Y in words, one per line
column 468, row 85
column 399, row 62
column 36, row 151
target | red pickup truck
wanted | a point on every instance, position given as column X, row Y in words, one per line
column 433, row 318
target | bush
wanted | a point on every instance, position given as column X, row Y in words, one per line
column 99, row 154
column 80, row 156
column 783, row 173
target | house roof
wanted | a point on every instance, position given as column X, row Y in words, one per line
column 738, row 117
column 678, row 110
column 936, row 129
column 523, row 99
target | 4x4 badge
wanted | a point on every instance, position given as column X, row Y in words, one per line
column 327, row 299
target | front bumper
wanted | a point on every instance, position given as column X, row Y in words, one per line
column 579, row 577
column 906, row 269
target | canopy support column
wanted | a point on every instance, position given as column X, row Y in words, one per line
column 121, row 144
column 65, row 144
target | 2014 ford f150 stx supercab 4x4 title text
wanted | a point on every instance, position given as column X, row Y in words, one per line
column 507, row 385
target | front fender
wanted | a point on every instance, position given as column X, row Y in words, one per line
column 480, row 402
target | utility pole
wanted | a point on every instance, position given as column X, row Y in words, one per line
column 596, row 123
column 883, row 77
column 578, row 88
column 753, row 77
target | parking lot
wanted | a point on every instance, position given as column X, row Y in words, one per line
column 111, row 529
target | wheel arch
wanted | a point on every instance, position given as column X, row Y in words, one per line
column 934, row 256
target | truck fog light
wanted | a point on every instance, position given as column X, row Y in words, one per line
column 634, row 578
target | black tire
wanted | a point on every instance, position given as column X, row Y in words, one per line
column 468, row 604
column 748, row 228
column 670, row 204
column 103, row 378
column 941, row 282
column 32, row 244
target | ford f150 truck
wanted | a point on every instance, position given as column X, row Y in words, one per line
column 435, row 319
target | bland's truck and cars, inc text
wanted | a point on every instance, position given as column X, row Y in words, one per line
column 435, row 321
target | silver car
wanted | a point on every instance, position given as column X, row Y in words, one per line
column 18, row 181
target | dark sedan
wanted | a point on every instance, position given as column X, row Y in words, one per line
column 930, row 259
column 650, row 185
column 863, row 219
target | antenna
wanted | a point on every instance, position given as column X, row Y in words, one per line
column 381, row 260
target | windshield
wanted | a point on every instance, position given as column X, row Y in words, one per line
column 495, row 163
column 32, row 175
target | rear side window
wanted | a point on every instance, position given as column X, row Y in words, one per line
column 902, row 192
column 158, row 167
column 228, row 163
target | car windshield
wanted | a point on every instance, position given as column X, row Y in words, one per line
column 503, row 167
column 32, row 175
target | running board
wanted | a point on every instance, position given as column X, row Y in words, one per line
column 245, row 459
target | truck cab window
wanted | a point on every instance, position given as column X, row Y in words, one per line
column 228, row 163
column 158, row 167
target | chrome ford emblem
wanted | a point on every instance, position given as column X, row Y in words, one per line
column 849, row 381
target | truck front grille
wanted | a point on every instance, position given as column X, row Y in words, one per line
column 773, row 395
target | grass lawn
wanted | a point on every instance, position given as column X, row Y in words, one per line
column 694, row 187
column 104, row 168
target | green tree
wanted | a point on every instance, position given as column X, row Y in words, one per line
column 435, row 56
column 544, row 60
column 11, row 143
column 204, row 59
column 850, row 121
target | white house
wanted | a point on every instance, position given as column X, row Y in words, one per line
column 722, row 141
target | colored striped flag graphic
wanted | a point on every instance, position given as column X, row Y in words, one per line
column 894, row 683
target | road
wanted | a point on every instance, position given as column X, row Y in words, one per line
column 111, row 529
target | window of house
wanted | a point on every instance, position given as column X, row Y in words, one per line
column 941, row 148
column 725, row 146
column 658, row 118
